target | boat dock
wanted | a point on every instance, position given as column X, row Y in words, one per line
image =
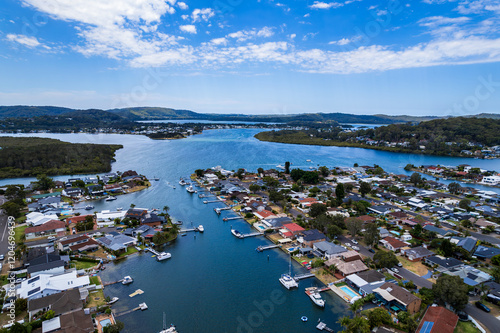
column 253, row 234
column 156, row 253
column 211, row 201
column 263, row 248
column 232, row 218
column 322, row 327
column 188, row 230
column 303, row 276
column 137, row 292
column 142, row 306
column 110, row 283
column 218, row 210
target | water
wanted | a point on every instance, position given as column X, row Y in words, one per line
column 215, row 282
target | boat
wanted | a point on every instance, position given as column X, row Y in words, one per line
column 308, row 160
column 143, row 306
column 113, row 300
column 171, row 329
column 200, row 228
column 127, row 280
column 177, row 222
column 190, row 189
column 89, row 207
column 110, row 198
column 156, row 178
column 88, row 197
column 182, row 182
column 163, row 256
column 315, row 297
column 287, row 280
column 236, row 233
column 184, row 234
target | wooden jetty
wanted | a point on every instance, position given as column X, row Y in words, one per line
column 232, row 218
column 322, row 327
column 219, row 210
column 137, row 292
column 142, row 306
column 253, row 234
column 303, row 276
column 268, row 247
column 188, row 230
column 110, row 283
column 211, row 201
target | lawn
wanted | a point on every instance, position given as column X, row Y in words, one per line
column 18, row 232
column 466, row 327
column 95, row 280
column 83, row 264
column 416, row 267
column 96, row 298
column 130, row 250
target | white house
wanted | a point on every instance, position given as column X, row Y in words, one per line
column 491, row 180
column 106, row 218
column 46, row 284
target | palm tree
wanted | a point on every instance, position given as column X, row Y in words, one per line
column 356, row 307
column 166, row 209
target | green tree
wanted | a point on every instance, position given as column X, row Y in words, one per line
column 371, row 234
column 199, row 173
column 354, row 225
column 408, row 167
column 17, row 328
column 317, row 209
column 12, row 208
column 324, row 171
column 275, row 196
column 115, row 328
column 417, row 231
column 21, row 305
column 79, row 183
column 333, row 230
column 254, row 188
column 340, row 193
column 495, row 260
column 385, row 259
column 271, row 182
column 454, row 187
column 416, row 179
column 447, row 248
column 364, row 188
column 355, row 325
column 464, row 204
column 44, row 183
column 378, row 317
column 287, row 167
column 260, row 170
column 452, row 290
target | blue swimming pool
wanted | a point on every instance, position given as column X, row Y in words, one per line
column 349, row 291
column 261, row 227
column 105, row 322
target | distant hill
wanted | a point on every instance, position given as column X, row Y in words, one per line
column 158, row 113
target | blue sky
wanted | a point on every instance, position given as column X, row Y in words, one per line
column 425, row 57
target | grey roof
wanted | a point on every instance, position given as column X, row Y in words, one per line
column 312, row 235
column 440, row 231
column 467, row 243
column 60, row 303
column 371, row 276
column 419, row 252
column 115, row 241
column 444, row 262
column 45, row 266
column 486, row 252
column 277, row 222
column 329, row 248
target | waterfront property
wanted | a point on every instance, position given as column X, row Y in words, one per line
column 116, row 241
column 46, row 284
column 397, row 299
column 60, row 303
column 438, row 320
column 365, row 282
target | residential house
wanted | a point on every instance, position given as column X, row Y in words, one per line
column 417, row 253
column 441, row 233
column 136, row 213
column 46, row 284
column 470, row 275
column 396, row 298
column 52, row 227
column 276, row 222
column 152, row 220
column 346, row 268
column 72, row 192
column 107, row 218
column 438, row 320
column 365, row 282
column 483, row 223
column 393, row 244
column 309, row 237
column 328, row 250
column 36, row 218
column 81, row 243
column 383, row 209
column 71, row 322
column 367, row 219
column 383, row 233
column 441, row 263
column 466, row 243
column 350, row 255
column 77, row 219
column 116, row 241
column 293, row 228
column 486, row 252
column 60, row 303
column 263, row 214
column 49, row 263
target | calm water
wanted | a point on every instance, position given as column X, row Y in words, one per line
column 215, row 282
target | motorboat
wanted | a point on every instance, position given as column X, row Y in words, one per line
column 287, row 280
column 315, row 297
column 89, row 207
column 127, row 280
column 200, row 228
column 113, row 300
column 190, row 189
column 236, row 233
column 163, row 256
column 182, row 182
column 110, row 198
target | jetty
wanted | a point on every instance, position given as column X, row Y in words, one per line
column 322, row 327
column 188, row 230
column 232, row 218
column 142, row 306
column 218, row 210
column 211, row 201
column 113, row 282
column 303, row 276
column 156, row 253
column 253, row 234
column 137, row 292
column 268, row 247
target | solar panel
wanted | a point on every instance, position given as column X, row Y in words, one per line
column 427, row 327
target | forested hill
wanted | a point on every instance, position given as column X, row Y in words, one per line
column 453, row 136
column 20, row 111
column 23, row 157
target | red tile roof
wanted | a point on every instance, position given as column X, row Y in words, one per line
column 293, row 227
column 50, row 225
column 396, row 243
column 444, row 320
column 76, row 219
column 264, row 214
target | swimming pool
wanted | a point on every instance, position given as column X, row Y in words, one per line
column 105, row 322
column 261, row 227
column 349, row 291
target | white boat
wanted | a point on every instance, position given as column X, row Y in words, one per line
column 163, row 256
column 119, row 209
column 200, row 228
column 236, row 233
column 127, row 280
column 171, row 329
column 110, row 198
column 143, row 306
column 114, row 300
column 190, row 189
column 182, row 182
column 287, row 280
column 308, row 160
column 89, row 207
column 156, row 178
column 316, row 298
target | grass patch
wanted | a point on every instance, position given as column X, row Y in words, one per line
column 19, row 232
column 416, row 267
column 95, row 280
column 82, row 264
column 4, row 317
column 21, row 219
column 130, row 250
column 465, row 327
column 3, row 280
column 96, row 298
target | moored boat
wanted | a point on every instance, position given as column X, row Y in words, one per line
column 200, row 228
column 163, row 256
column 127, row 280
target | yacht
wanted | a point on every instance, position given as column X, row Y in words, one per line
column 114, row 300
column 190, row 189
column 200, row 228
column 163, row 256
column 110, row 198
column 156, row 178
column 127, row 280
column 171, row 329
column 287, row 280
column 182, row 182
column 236, row 233
column 316, row 298
column 89, row 207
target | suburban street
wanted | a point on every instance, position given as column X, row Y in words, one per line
column 489, row 321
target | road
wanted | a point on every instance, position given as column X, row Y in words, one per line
column 45, row 242
column 489, row 321
column 3, row 228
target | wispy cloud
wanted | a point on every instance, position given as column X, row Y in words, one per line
column 188, row 28
column 27, row 41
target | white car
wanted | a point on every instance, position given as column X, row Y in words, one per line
column 355, row 248
column 395, row 270
column 63, row 238
column 2, row 257
column 348, row 244
column 51, row 237
column 354, row 241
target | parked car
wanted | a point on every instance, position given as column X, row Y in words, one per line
column 51, row 237
column 482, row 306
column 400, row 264
column 348, row 244
column 354, row 241
column 355, row 248
column 462, row 316
column 395, row 270
column 372, row 250
column 2, row 257
column 63, row 238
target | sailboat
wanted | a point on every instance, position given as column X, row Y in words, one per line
column 171, row 329
column 287, row 280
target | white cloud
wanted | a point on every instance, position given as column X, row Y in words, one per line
column 343, row 41
column 188, row 28
column 381, row 12
column 244, row 35
column 202, row 14
column 27, row 41
column 219, row 41
column 325, row 5
column 182, row 5
column 307, row 15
